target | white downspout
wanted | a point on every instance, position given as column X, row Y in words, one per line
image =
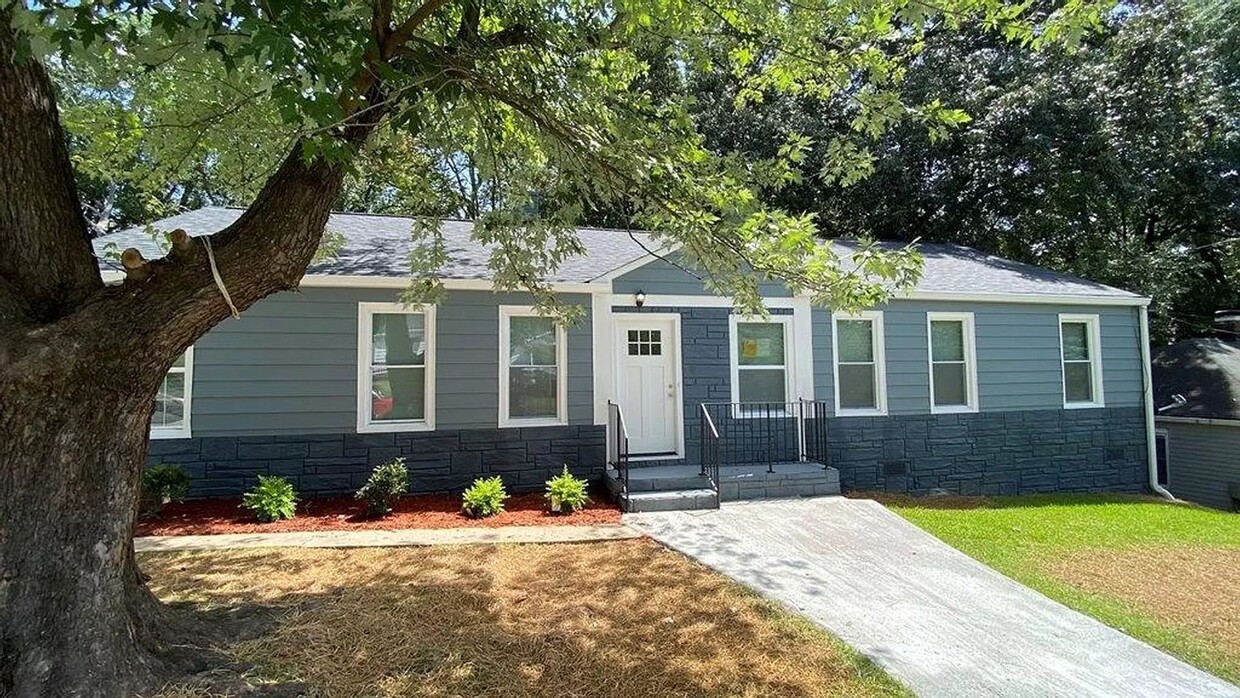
column 1147, row 382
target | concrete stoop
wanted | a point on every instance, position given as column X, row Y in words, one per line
column 683, row 487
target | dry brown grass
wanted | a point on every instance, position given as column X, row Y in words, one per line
column 624, row 618
column 1194, row 588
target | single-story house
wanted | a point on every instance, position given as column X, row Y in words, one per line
column 1197, row 399
column 990, row 377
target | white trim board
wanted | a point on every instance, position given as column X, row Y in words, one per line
column 506, row 313
column 184, row 430
column 365, row 311
column 879, row 341
column 1093, row 334
column 969, row 337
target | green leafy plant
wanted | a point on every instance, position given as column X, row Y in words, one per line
column 484, row 498
column 386, row 483
column 272, row 499
column 565, row 493
column 162, row 484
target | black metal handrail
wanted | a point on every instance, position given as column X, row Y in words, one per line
column 618, row 445
column 765, row 433
column 710, row 452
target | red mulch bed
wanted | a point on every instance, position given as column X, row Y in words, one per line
column 345, row 514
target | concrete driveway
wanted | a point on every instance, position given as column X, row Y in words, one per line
column 931, row 616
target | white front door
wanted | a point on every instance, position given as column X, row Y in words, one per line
column 648, row 382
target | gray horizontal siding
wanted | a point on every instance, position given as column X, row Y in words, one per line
column 1018, row 363
column 289, row 364
column 1202, row 460
column 660, row 277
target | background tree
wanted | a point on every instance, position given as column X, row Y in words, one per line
column 273, row 103
column 1115, row 159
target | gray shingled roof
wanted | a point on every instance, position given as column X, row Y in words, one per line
column 1205, row 371
column 958, row 269
column 380, row 245
column 376, row 245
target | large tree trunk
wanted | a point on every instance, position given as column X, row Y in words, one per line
column 80, row 364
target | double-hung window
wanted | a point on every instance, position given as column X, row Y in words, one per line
column 533, row 363
column 396, row 368
column 1080, row 352
column 171, row 417
column 953, row 362
column 860, row 372
column 761, row 353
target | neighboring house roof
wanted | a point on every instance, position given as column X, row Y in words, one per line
column 1205, row 371
column 379, row 246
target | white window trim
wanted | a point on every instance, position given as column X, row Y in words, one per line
column 880, row 363
column 970, row 358
column 561, row 371
column 1093, row 335
column 790, row 365
column 365, row 322
column 183, row 430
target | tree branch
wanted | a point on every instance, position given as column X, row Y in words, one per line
column 45, row 251
column 406, row 30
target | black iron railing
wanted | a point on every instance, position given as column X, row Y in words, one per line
column 764, row 434
column 618, row 445
column 710, row 452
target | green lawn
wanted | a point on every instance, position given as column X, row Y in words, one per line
column 1167, row 574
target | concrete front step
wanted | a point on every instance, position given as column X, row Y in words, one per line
column 669, row 500
column 666, row 486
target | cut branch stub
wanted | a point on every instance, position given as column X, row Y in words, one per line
column 135, row 264
column 183, row 248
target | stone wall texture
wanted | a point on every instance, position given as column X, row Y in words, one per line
column 992, row 453
column 443, row 461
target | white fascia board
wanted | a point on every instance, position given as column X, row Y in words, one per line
column 343, row 281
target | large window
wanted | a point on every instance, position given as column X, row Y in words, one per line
column 1079, row 344
column 171, row 417
column 396, row 380
column 860, row 376
column 760, row 360
column 953, row 371
column 533, row 362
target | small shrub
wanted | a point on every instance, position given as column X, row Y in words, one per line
column 162, row 484
column 386, row 483
column 484, row 498
column 566, row 493
column 272, row 499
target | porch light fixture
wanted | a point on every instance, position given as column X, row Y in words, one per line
column 639, row 298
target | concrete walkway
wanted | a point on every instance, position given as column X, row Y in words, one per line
column 931, row 616
column 406, row 537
